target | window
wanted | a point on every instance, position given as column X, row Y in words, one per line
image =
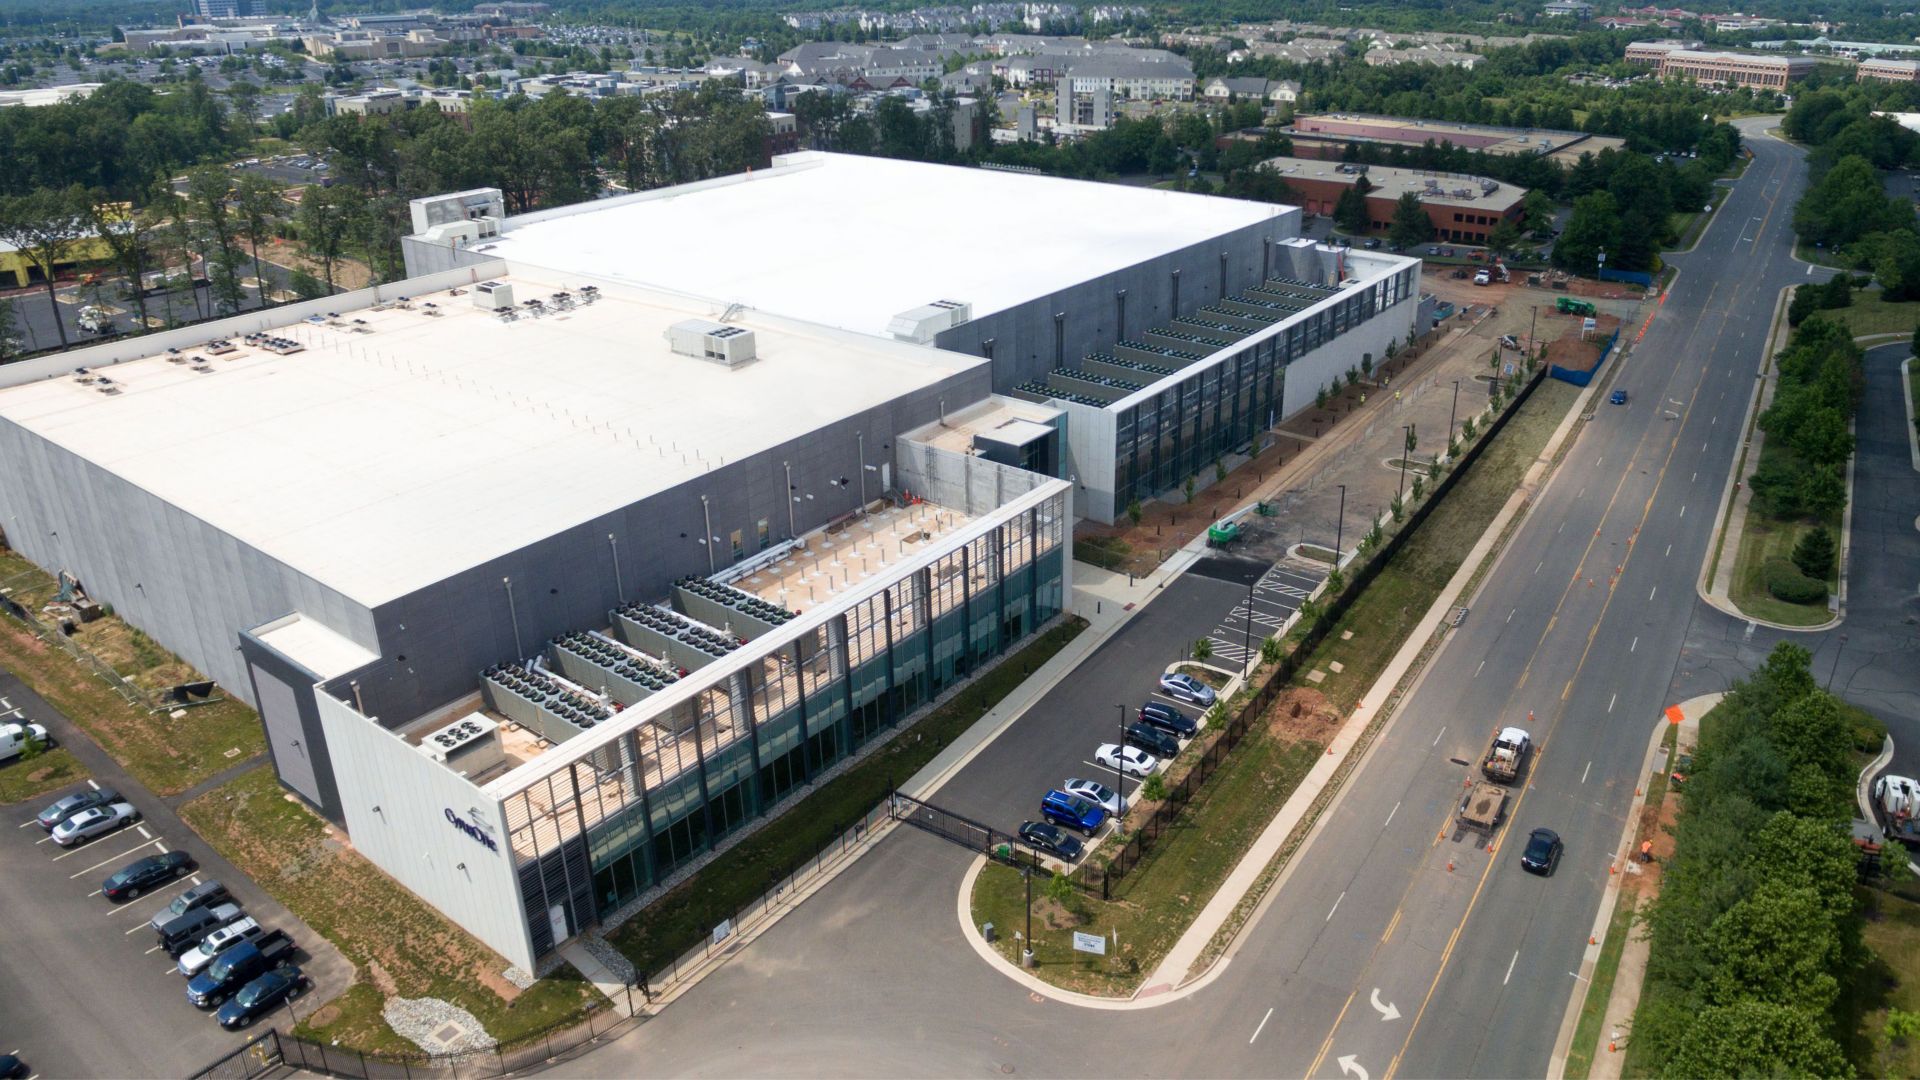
column 765, row 534
column 739, row 546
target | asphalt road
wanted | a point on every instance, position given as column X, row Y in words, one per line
column 87, row 993
column 1394, row 945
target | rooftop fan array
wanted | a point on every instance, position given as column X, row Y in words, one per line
column 737, row 599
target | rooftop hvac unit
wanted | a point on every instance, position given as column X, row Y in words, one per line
column 718, row 342
column 922, row 324
column 469, row 745
column 493, row 296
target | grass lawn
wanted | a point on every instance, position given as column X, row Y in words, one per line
column 673, row 924
column 1889, row 979
column 23, row 780
column 373, row 920
column 1871, row 315
column 1153, row 905
column 1763, row 538
column 166, row 754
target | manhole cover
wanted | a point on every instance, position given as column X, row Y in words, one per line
column 446, row 1035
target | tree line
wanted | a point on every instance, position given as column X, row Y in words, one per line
column 1756, row 930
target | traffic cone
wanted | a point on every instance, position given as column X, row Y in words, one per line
column 1590, row 940
column 1449, row 866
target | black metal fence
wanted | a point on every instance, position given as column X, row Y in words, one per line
column 276, row 1051
column 1149, row 832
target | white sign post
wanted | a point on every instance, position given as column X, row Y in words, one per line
column 1091, row 943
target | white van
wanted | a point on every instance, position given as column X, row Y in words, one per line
column 13, row 739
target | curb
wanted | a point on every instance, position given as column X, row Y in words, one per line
column 1590, row 958
column 1862, row 800
column 1732, row 494
column 1906, row 395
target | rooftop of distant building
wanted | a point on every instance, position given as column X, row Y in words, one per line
column 1440, row 188
column 852, row 241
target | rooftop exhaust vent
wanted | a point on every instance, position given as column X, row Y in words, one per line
column 718, row 342
column 493, row 296
column 922, row 324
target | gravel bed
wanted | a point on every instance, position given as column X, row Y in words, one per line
column 613, row 959
column 418, row 1020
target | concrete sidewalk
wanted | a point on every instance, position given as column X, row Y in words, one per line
column 1624, row 998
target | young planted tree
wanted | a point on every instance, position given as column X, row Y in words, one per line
column 1134, row 511
column 1203, row 650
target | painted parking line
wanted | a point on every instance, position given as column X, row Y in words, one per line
column 116, row 858
column 1126, row 778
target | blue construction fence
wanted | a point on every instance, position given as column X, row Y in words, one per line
column 1582, row 378
column 1637, row 277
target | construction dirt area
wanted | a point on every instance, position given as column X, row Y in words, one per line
column 1357, row 438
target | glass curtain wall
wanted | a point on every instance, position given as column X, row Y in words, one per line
column 665, row 793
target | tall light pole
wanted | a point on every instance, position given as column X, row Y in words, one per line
column 1408, row 429
column 1119, row 752
column 706, row 541
column 1026, row 954
column 1246, row 642
column 862, row 436
column 792, row 532
column 1451, row 416
column 1339, row 527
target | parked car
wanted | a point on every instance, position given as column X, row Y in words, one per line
column 198, row 957
column 1618, row 397
column 183, row 932
column 1542, row 853
column 94, row 821
column 1168, row 719
column 63, row 809
column 13, row 739
column 1152, row 740
column 1051, row 839
column 262, row 996
column 142, row 874
column 1097, row 793
column 1372, row 242
column 1130, row 760
column 1072, row 811
column 1433, row 251
column 238, row 966
column 12, row 1068
column 1183, row 687
column 205, row 894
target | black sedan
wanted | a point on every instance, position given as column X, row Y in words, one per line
column 73, row 804
column 142, row 874
column 262, row 996
column 1051, row 839
column 1542, row 853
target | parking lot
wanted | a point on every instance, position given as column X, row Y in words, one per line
column 1055, row 739
column 89, row 991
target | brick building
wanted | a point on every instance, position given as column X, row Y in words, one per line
column 1739, row 69
column 1462, row 208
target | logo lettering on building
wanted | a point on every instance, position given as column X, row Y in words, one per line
column 472, row 830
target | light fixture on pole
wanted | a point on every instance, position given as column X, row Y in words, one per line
column 706, row 514
column 1339, row 527
column 792, row 532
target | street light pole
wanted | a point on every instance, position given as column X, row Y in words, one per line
column 1247, row 636
column 1403, row 462
column 1026, row 957
column 1451, row 416
column 1119, row 750
column 1339, row 527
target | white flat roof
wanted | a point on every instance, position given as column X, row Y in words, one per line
column 387, row 456
column 853, row 241
column 316, row 647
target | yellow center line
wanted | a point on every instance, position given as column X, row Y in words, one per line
column 1446, row 955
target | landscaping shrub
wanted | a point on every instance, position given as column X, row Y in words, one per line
column 1785, row 581
column 1814, row 554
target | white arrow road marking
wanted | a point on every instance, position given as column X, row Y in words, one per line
column 1351, row 1067
column 1387, row 1012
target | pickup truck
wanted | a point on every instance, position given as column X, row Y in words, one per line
column 1483, row 809
column 196, row 959
column 238, row 966
column 1506, row 754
